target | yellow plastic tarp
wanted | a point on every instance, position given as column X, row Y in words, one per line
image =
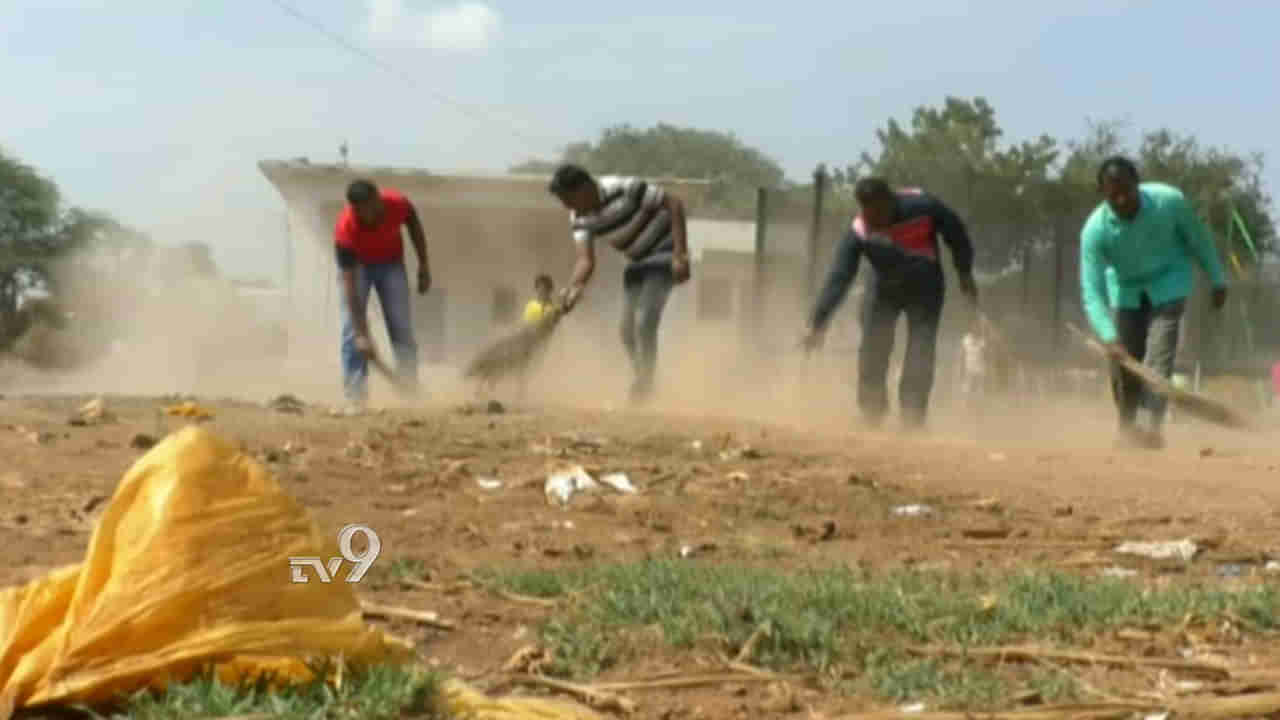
column 188, row 566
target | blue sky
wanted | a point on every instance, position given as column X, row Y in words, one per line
column 158, row 110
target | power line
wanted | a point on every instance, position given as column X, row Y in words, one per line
column 474, row 112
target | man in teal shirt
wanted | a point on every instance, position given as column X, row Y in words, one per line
column 1147, row 236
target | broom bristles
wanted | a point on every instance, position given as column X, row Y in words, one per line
column 511, row 353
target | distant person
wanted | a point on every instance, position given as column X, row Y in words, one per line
column 540, row 305
column 645, row 223
column 898, row 233
column 1150, row 236
column 370, row 254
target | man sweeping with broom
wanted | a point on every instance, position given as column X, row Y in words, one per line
column 898, row 233
column 645, row 223
column 370, row 254
column 1149, row 236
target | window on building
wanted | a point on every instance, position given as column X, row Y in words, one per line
column 505, row 305
column 715, row 299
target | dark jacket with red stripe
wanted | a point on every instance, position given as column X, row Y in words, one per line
column 905, row 257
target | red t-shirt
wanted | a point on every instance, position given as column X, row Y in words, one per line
column 379, row 244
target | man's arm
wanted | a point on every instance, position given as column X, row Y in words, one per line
column 679, row 225
column 839, row 279
column 1093, row 285
column 956, row 236
column 417, row 236
column 583, row 267
column 347, row 267
column 1199, row 243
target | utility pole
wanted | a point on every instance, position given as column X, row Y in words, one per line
column 342, row 152
column 815, row 229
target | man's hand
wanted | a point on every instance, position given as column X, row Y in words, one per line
column 569, row 297
column 812, row 340
column 424, row 279
column 680, row 268
column 363, row 343
column 1115, row 350
column 969, row 287
column 1219, row 298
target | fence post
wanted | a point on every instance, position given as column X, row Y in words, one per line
column 757, row 280
column 1057, row 286
column 815, row 231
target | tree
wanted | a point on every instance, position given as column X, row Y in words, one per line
column 36, row 233
column 734, row 168
column 954, row 152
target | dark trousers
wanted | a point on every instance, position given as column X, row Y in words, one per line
column 646, row 289
column 880, row 319
column 1149, row 333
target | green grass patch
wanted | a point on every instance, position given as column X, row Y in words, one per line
column 837, row 620
column 386, row 692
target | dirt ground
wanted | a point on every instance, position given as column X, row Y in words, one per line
column 1017, row 487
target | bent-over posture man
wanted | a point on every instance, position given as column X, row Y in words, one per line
column 370, row 254
column 898, row 233
column 647, row 224
column 1149, row 236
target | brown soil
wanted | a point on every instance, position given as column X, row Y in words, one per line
column 820, row 492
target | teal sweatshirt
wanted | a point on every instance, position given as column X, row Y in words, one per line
column 1151, row 254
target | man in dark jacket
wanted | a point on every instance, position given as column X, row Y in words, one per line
column 898, row 233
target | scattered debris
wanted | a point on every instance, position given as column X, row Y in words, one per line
column 866, row 481
column 287, row 404
column 913, row 708
column 13, row 481
column 93, row 412
column 1119, row 572
column 430, row 619
column 38, row 437
column 912, row 510
column 1063, row 511
column 825, row 533
column 1232, row 570
column 189, row 410
column 691, row 551
column 142, row 441
column 696, row 446
column 745, row 452
column 592, row 696
column 987, row 504
column 619, row 482
column 1272, row 566
column 737, row 476
column 529, row 659
column 489, row 483
column 562, row 486
column 782, row 699
column 1184, row 550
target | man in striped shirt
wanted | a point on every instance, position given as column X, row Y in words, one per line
column 646, row 224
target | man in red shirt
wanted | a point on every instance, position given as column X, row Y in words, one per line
column 370, row 254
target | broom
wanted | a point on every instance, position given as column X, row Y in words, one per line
column 1192, row 403
column 511, row 353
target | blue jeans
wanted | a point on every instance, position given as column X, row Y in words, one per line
column 392, row 284
column 645, row 292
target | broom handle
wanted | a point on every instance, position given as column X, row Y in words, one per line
column 1153, row 379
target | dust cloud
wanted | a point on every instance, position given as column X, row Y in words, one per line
column 172, row 330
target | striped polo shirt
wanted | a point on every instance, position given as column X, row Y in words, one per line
column 633, row 218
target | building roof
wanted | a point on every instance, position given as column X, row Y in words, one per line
column 302, row 169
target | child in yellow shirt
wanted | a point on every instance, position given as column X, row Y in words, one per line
column 540, row 305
